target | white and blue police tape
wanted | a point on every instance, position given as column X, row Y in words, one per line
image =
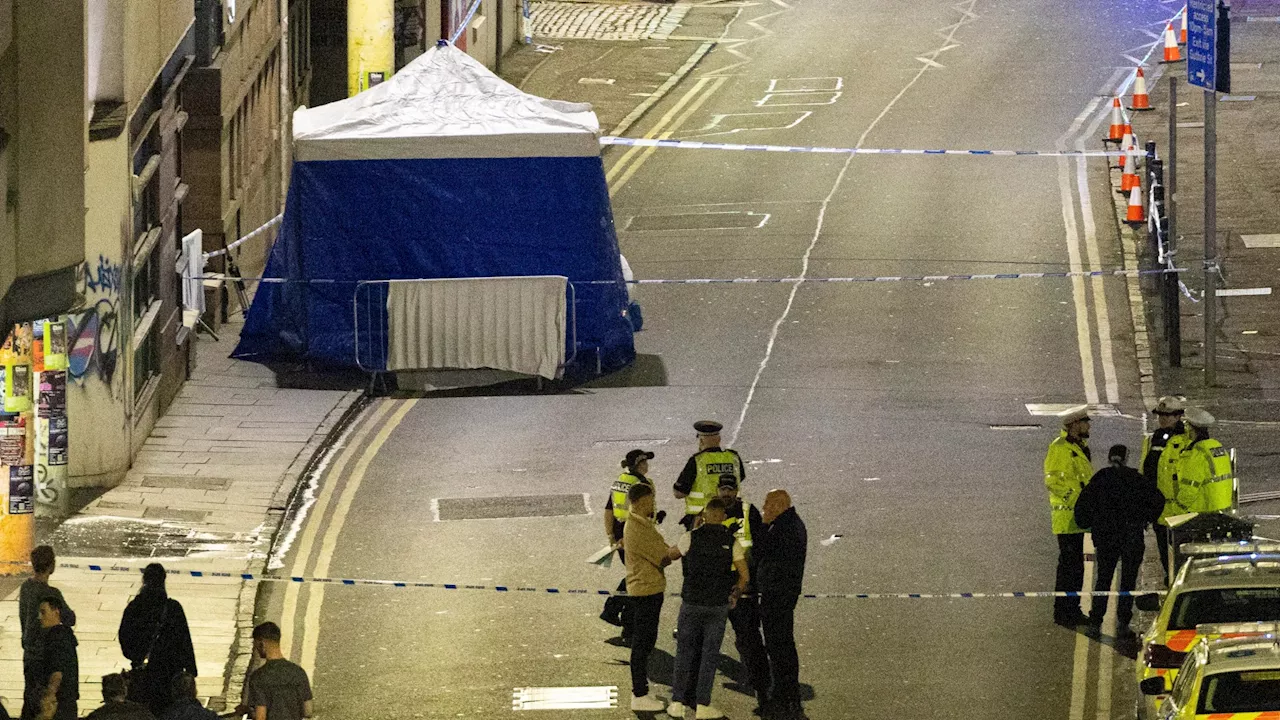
column 767, row 280
column 698, row 145
column 416, row 584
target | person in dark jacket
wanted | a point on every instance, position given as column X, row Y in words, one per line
column 154, row 636
column 33, row 590
column 59, row 665
column 185, row 705
column 115, row 688
column 780, row 557
column 1116, row 506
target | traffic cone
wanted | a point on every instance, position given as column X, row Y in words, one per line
column 1137, row 212
column 1182, row 36
column 1126, row 142
column 1171, row 52
column 1130, row 179
column 1141, row 100
column 1116, row 133
column 1128, row 126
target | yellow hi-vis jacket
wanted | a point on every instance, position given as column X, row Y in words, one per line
column 620, row 488
column 1066, row 471
column 1166, row 471
column 711, row 465
column 1203, row 481
column 741, row 526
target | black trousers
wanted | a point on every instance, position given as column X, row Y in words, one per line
column 646, row 610
column 31, row 691
column 745, row 619
column 1162, row 546
column 1127, row 552
column 778, row 620
column 1070, row 576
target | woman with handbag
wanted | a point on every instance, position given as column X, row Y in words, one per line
column 154, row 636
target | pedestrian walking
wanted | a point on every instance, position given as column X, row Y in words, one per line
column 156, row 639
column 185, row 706
column 115, row 704
column 779, row 581
column 1160, row 452
column 635, row 469
column 1203, row 481
column 647, row 556
column 278, row 689
column 33, row 590
column 715, row 576
column 698, row 480
column 747, row 525
column 59, row 667
column 1067, row 469
column 1116, row 506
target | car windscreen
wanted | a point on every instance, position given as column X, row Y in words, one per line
column 1230, row 605
column 1246, row 691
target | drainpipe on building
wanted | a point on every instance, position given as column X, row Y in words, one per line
column 286, row 105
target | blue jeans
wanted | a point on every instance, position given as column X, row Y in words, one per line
column 701, row 630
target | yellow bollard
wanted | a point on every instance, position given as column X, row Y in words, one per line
column 371, row 43
column 17, row 453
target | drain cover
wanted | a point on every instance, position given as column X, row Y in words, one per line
column 518, row 506
column 731, row 220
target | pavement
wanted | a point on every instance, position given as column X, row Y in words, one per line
column 1246, row 397
column 206, row 492
column 909, row 419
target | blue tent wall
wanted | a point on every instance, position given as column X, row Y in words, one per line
column 351, row 220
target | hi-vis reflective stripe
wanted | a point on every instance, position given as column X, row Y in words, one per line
column 1268, row 715
column 210, row 574
column 696, row 145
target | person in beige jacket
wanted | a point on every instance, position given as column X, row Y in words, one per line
column 647, row 555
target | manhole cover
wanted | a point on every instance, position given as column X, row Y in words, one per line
column 519, row 506
column 698, row 221
column 188, row 482
column 631, row 442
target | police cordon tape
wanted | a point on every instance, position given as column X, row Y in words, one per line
column 699, row 145
column 415, row 584
column 748, row 280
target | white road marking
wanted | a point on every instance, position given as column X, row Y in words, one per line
column 1107, row 357
column 817, row 232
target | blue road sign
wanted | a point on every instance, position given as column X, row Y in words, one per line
column 1202, row 43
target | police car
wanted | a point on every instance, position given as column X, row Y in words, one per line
column 1209, row 591
column 1236, row 679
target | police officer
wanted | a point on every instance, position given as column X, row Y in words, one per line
column 1203, row 481
column 1067, row 469
column 747, row 524
column 700, row 477
column 635, row 468
column 1159, row 461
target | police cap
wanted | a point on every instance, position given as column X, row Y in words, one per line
column 1075, row 414
column 635, row 456
column 1199, row 417
column 728, row 480
column 708, row 427
column 1170, row 405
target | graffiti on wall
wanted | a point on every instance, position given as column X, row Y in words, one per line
column 93, row 333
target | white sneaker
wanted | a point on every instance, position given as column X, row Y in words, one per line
column 706, row 712
column 676, row 709
column 646, row 703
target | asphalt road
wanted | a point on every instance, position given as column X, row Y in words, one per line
column 895, row 413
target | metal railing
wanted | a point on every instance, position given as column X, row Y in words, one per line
column 369, row 310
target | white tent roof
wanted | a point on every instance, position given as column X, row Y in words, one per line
column 444, row 104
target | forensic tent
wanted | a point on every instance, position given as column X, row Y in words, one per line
column 405, row 196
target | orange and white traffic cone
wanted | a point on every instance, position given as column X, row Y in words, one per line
column 1128, row 126
column 1128, row 141
column 1141, row 100
column 1137, row 212
column 1182, row 35
column 1171, row 52
column 1116, row 133
column 1129, row 180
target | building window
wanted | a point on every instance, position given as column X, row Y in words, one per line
column 146, row 364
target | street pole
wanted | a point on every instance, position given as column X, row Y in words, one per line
column 1172, row 309
column 1210, row 236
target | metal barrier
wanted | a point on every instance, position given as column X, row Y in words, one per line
column 369, row 310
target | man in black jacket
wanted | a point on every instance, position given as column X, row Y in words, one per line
column 1116, row 506
column 780, row 555
column 156, row 639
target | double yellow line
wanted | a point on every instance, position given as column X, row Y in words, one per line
column 667, row 125
column 365, row 442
